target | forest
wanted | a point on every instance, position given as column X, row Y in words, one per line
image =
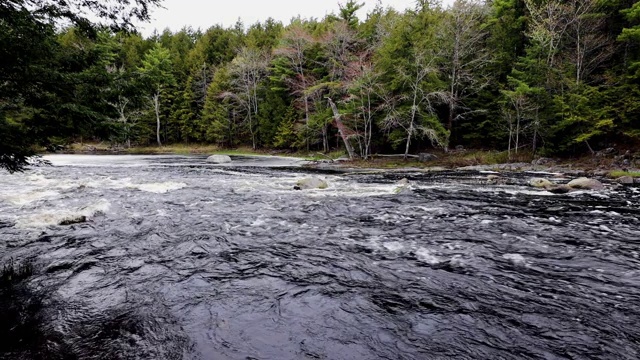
column 547, row 77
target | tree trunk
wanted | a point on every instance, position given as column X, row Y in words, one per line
column 534, row 145
column 342, row 130
column 325, row 139
column 510, row 139
column 590, row 148
column 517, row 134
column 406, row 150
column 156, row 105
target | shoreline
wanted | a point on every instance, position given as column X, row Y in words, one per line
column 602, row 165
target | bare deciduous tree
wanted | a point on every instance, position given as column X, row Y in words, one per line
column 465, row 56
column 365, row 93
column 405, row 111
column 591, row 45
column 247, row 70
column 295, row 42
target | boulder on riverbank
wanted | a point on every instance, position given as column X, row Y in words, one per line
column 425, row 157
column 311, row 183
column 585, row 184
column 625, row 180
column 218, row 159
column 543, row 162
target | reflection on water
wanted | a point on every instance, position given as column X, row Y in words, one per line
column 180, row 259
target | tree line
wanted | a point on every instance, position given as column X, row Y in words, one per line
column 543, row 76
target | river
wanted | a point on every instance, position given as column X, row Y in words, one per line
column 180, row 259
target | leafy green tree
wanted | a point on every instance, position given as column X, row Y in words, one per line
column 219, row 115
column 631, row 35
column 33, row 85
column 156, row 69
column 348, row 13
column 184, row 112
column 286, row 135
column 273, row 110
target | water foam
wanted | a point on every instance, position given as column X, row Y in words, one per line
column 516, row 259
column 426, row 256
column 159, row 188
column 52, row 218
column 30, row 197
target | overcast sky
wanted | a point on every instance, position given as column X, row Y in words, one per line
column 206, row 13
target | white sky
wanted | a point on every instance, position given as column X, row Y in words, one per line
column 206, row 13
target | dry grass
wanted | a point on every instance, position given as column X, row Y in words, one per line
column 446, row 160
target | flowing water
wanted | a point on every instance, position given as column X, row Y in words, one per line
column 180, row 259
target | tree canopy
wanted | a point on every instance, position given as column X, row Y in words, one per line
column 43, row 89
column 547, row 77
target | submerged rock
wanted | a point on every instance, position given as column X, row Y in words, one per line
column 540, row 183
column 310, row 183
column 494, row 179
column 585, row 184
column 219, row 159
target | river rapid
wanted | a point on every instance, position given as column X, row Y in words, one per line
column 180, row 259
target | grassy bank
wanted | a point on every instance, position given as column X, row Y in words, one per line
column 621, row 173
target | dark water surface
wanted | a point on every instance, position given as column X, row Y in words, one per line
column 181, row 260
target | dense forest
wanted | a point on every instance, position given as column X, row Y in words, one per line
column 542, row 76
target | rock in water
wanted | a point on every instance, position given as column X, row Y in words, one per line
column 540, row 183
column 585, row 184
column 559, row 189
column 219, row 159
column 73, row 220
column 404, row 187
column 311, row 183
column 625, row 180
column 403, row 190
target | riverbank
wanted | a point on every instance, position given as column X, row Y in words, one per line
column 608, row 163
